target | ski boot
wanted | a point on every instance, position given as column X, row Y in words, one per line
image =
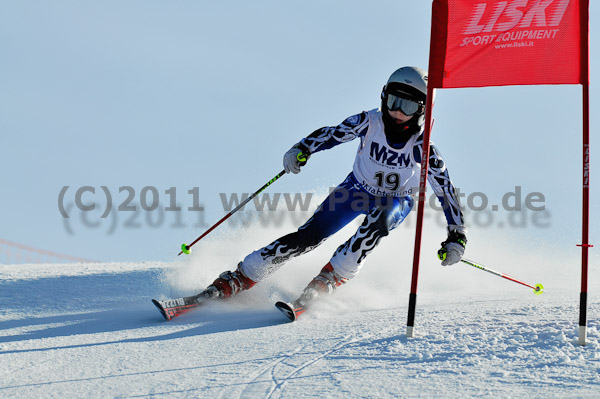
column 227, row 285
column 324, row 284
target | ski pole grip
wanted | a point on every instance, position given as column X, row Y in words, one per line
column 301, row 158
column 442, row 253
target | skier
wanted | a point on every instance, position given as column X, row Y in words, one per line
column 384, row 179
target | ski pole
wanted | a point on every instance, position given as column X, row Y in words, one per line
column 186, row 249
column 537, row 289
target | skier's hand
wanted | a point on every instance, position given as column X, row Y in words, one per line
column 454, row 247
column 295, row 158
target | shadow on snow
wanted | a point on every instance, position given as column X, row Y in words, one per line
column 110, row 303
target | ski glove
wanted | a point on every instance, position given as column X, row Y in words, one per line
column 454, row 247
column 295, row 158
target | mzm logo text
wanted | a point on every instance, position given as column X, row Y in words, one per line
column 386, row 156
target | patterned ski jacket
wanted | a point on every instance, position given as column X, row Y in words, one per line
column 382, row 168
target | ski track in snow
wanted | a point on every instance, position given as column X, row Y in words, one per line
column 69, row 332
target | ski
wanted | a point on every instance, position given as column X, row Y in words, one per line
column 171, row 308
column 289, row 310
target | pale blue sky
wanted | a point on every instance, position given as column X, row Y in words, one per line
column 211, row 94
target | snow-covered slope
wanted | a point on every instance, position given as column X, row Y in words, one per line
column 89, row 330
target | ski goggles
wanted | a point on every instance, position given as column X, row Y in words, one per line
column 407, row 107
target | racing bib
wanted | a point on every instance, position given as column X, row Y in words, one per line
column 382, row 170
